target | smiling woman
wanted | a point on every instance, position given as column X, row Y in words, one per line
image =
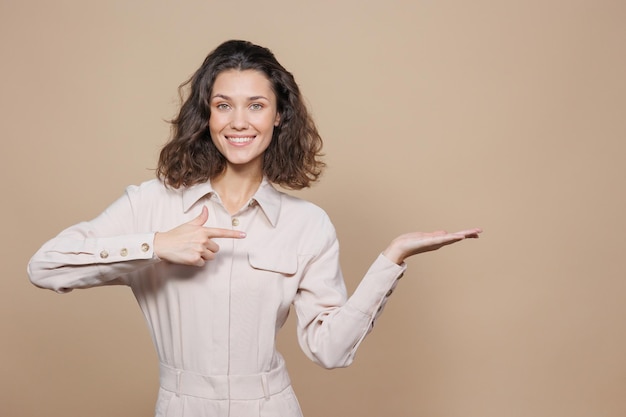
column 292, row 156
column 216, row 256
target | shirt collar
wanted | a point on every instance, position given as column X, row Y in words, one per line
column 267, row 197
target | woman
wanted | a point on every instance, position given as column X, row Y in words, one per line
column 215, row 255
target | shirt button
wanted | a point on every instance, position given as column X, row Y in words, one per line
column 235, row 222
column 104, row 254
column 252, row 203
column 124, row 252
column 389, row 293
column 145, row 247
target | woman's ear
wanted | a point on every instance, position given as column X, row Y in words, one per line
column 277, row 120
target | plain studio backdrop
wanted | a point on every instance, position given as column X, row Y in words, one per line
column 505, row 115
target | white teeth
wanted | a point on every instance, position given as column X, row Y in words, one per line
column 241, row 140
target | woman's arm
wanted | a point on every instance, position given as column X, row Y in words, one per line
column 97, row 252
column 122, row 240
column 331, row 326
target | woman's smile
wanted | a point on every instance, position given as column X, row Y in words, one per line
column 240, row 140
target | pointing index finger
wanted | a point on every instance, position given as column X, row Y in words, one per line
column 225, row 233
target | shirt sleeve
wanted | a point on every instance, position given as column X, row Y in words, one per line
column 331, row 326
column 94, row 253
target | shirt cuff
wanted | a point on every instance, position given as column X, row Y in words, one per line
column 125, row 248
column 377, row 285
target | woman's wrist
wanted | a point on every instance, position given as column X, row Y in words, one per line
column 394, row 254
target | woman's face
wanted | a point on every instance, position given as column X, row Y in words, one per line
column 243, row 116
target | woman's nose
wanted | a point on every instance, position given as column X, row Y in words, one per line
column 239, row 120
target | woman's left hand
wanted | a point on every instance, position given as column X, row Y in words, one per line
column 411, row 244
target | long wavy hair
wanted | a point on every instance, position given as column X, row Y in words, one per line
column 190, row 157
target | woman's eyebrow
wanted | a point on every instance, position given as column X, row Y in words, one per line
column 220, row 96
column 225, row 97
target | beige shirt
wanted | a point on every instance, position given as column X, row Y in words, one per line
column 222, row 319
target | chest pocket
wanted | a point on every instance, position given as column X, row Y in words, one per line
column 283, row 261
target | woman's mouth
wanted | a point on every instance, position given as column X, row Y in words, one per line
column 240, row 140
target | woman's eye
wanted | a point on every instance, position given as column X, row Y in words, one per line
column 222, row 106
column 256, row 106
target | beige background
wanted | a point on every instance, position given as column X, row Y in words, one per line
column 508, row 115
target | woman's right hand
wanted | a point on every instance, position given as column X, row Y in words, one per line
column 190, row 243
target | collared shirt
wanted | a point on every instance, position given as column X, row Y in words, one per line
column 222, row 318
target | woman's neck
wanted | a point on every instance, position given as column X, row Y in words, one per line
column 236, row 186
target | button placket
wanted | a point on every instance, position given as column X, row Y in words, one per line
column 242, row 218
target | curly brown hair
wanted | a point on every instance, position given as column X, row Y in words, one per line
column 190, row 157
